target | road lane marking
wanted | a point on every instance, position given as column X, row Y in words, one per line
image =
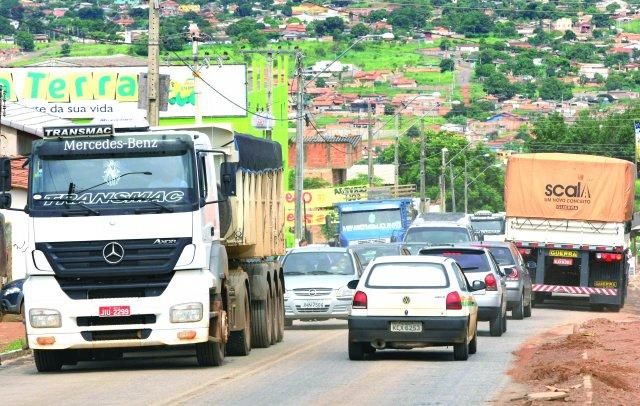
column 588, row 385
column 245, row 371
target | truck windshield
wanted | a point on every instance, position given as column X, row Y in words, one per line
column 487, row 226
column 75, row 178
column 437, row 235
column 389, row 219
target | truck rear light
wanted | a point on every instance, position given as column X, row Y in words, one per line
column 514, row 275
column 490, row 282
column 525, row 251
column 608, row 256
column 453, row 301
column 359, row 300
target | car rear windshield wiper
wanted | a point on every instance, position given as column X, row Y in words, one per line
column 320, row 273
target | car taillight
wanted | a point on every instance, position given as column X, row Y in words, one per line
column 359, row 300
column 490, row 282
column 524, row 251
column 608, row 256
column 453, row 301
column 514, row 274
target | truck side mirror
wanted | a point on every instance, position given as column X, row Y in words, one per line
column 532, row 265
column 228, row 178
column 5, row 200
column 5, row 174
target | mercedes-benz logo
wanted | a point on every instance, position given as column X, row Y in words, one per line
column 113, row 253
column 406, row 300
column 312, row 292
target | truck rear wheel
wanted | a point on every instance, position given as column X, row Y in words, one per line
column 240, row 341
column 48, row 360
column 261, row 327
column 279, row 317
column 274, row 316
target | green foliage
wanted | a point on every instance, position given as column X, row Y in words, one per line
column 447, row 64
column 611, row 135
column 5, row 26
column 360, row 30
column 140, row 46
column 485, row 192
column 362, row 179
column 331, row 26
column 407, row 18
column 569, row 36
column 445, row 44
column 498, row 85
column 65, row 49
column 248, row 30
column 554, row 89
column 25, row 41
column 469, row 23
column 320, row 82
column 91, row 13
column 315, row 183
column 618, row 81
column 388, row 109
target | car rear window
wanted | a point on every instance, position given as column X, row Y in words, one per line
column 469, row 261
column 437, row 235
column 368, row 254
column 405, row 275
column 502, row 255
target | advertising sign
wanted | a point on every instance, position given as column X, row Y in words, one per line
column 87, row 92
column 326, row 197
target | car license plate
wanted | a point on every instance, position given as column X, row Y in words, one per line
column 563, row 253
column 312, row 304
column 563, row 261
column 114, row 311
column 406, row 326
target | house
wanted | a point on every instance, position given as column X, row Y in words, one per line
column 330, row 68
column 328, row 156
column 627, row 37
column 623, row 6
column 404, row 83
column 467, row 48
column 504, row 122
column 381, row 26
column 519, row 44
column 308, row 12
column 169, row 8
column 123, row 20
column 130, row 3
column 368, row 79
column 589, row 70
column 187, row 8
column 585, row 24
column 562, row 24
column 59, row 12
column 294, row 32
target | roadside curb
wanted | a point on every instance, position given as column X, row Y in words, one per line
column 7, row 356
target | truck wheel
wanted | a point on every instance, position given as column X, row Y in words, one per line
column 518, row 309
column 210, row 354
column 538, row 298
column 240, row 341
column 288, row 323
column 48, row 360
column 279, row 317
column 461, row 351
column 356, row 351
column 274, row 317
column 495, row 326
column 261, row 323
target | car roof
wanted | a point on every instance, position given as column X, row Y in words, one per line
column 318, row 249
column 392, row 244
column 409, row 259
column 491, row 244
column 464, row 247
column 430, row 224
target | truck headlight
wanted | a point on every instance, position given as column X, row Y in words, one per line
column 344, row 293
column 44, row 318
column 186, row 313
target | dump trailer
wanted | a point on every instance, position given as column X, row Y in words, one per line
column 570, row 217
column 373, row 221
column 151, row 239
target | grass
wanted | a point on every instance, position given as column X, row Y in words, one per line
column 632, row 26
column 13, row 345
column 431, row 78
column 325, row 120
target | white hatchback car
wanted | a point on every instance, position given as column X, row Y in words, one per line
column 413, row 301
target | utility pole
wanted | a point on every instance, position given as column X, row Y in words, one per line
column 466, row 201
column 453, row 189
column 396, row 155
column 269, row 89
column 370, row 142
column 423, row 158
column 195, row 38
column 153, row 67
column 443, row 183
column 299, row 208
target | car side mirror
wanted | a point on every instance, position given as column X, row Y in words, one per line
column 5, row 200
column 532, row 265
column 478, row 285
column 5, row 174
column 353, row 284
column 228, row 178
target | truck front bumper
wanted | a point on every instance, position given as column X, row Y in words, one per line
column 44, row 292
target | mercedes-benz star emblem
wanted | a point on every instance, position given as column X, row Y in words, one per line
column 113, row 253
column 406, row 300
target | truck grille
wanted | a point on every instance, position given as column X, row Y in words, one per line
column 90, row 287
column 108, row 335
column 87, row 258
column 90, row 321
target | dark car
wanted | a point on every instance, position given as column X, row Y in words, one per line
column 369, row 252
column 11, row 297
column 437, row 233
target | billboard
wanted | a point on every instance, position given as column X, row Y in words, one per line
column 72, row 92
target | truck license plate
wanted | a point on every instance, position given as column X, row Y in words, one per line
column 406, row 326
column 312, row 304
column 563, row 253
column 563, row 261
column 114, row 311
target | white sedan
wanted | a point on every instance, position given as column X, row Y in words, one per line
column 405, row 302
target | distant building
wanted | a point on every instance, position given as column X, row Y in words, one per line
column 328, row 156
column 590, row 70
column 562, row 24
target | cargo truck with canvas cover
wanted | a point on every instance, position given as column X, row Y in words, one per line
column 570, row 216
column 155, row 238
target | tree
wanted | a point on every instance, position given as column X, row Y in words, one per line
column 140, row 46
column 360, row 30
column 554, row 89
column 91, row 13
column 388, row 109
column 569, row 36
column 598, row 78
column 413, row 132
column 287, row 10
column 377, row 15
column 244, row 10
column 25, row 41
column 447, row 64
column 498, row 85
column 5, row 26
column 407, row 18
column 485, row 70
column 445, row 44
column 362, row 179
column 320, row 82
column 65, row 49
column 617, row 81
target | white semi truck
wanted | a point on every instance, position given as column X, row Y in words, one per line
column 154, row 238
column 570, row 216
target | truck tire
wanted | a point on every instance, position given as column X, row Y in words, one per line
column 279, row 316
column 518, row 309
column 495, row 326
column 240, row 341
column 48, row 360
column 274, row 316
column 210, row 354
column 261, row 323
column 461, row 351
column 356, row 351
column 288, row 323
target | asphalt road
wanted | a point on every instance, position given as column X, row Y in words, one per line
column 310, row 367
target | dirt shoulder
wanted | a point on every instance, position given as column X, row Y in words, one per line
column 594, row 360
